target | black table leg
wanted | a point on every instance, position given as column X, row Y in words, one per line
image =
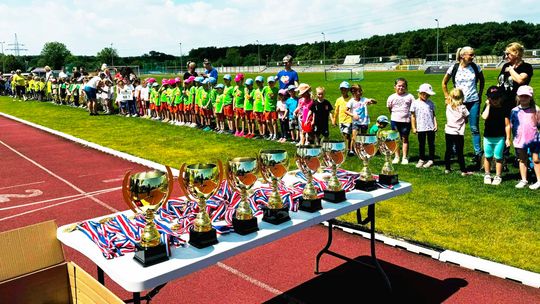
column 375, row 263
column 100, row 276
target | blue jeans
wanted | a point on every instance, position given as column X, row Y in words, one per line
column 474, row 115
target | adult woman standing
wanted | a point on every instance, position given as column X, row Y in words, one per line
column 514, row 73
column 468, row 77
column 191, row 70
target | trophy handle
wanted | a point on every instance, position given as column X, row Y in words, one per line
column 125, row 192
column 262, row 169
column 170, row 181
column 183, row 187
column 220, row 167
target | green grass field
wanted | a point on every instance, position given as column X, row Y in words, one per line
column 444, row 210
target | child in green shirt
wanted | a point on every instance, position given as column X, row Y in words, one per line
column 270, row 95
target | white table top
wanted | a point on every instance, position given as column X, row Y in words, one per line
column 184, row 260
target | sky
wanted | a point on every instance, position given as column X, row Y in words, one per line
column 135, row 27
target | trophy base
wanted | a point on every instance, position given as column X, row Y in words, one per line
column 388, row 179
column 148, row 256
column 312, row 205
column 365, row 185
column 203, row 239
column 244, row 227
column 334, row 196
column 275, row 216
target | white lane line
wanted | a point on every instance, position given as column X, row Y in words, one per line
column 43, row 208
column 112, row 180
column 59, row 178
column 250, row 279
column 98, row 192
column 21, row 185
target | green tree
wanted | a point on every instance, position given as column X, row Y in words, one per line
column 108, row 55
column 54, row 54
column 13, row 63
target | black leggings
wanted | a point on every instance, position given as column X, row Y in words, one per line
column 430, row 135
column 457, row 141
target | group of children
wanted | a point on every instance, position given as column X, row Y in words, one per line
column 418, row 115
column 253, row 108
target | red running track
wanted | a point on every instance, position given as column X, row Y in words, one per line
column 45, row 177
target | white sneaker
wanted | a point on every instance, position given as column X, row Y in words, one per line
column 428, row 164
column 420, row 164
column 496, row 180
column 487, row 179
column 405, row 161
column 395, row 160
column 521, row 184
column 535, row 186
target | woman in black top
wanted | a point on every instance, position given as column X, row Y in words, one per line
column 191, row 70
column 514, row 73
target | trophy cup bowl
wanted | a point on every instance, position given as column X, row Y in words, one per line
column 145, row 192
column 199, row 182
column 307, row 160
column 388, row 145
column 334, row 156
column 274, row 165
column 241, row 175
column 365, row 146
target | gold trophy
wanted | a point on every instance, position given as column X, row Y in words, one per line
column 274, row 165
column 145, row 192
column 388, row 145
column 307, row 160
column 365, row 146
column 199, row 182
column 241, row 176
column 334, row 156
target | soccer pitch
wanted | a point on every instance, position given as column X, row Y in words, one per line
column 444, row 210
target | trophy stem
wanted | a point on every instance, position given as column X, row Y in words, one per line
column 387, row 167
column 333, row 183
column 150, row 236
column 243, row 210
column 274, row 201
column 309, row 192
column 202, row 220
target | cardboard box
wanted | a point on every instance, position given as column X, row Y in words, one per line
column 33, row 270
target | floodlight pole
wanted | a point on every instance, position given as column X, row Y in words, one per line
column 324, row 48
column 180, row 57
column 259, row 54
column 437, row 39
column 112, row 56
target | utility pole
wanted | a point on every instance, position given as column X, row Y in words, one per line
column 259, row 54
column 180, row 43
column 17, row 47
column 112, row 56
column 437, row 39
column 324, row 48
column 3, row 57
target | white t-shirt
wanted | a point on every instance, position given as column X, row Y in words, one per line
column 465, row 80
column 400, row 106
column 145, row 93
column 93, row 82
column 455, row 120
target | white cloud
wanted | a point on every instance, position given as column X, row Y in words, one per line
column 136, row 27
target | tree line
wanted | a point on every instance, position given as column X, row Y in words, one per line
column 488, row 38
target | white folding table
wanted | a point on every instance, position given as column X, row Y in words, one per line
column 135, row 278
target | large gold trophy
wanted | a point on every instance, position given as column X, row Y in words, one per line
column 307, row 160
column 334, row 156
column 274, row 165
column 241, row 176
column 365, row 146
column 145, row 192
column 199, row 182
column 388, row 145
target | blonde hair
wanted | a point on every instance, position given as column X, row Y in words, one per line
column 461, row 52
column 455, row 98
column 322, row 89
column 516, row 48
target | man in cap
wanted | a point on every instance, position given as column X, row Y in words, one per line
column 209, row 69
column 287, row 76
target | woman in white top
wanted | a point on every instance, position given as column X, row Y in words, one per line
column 468, row 77
column 90, row 90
